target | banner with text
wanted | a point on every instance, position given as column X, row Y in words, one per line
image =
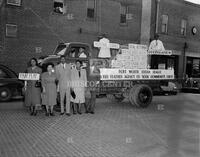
column 156, row 52
column 136, row 74
column 29, row 76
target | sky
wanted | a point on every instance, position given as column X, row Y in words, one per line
column 194, row 1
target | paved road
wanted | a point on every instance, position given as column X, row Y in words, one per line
column 170, row 127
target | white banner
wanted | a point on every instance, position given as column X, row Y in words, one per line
column 136, row 74
column 29, row 76
column 156, row 52
column 107, row 45
column 137, row 46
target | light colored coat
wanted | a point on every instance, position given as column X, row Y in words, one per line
column 63, row 76
column 104, row 51
column 79, row 84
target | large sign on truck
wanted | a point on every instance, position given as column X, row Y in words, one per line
column 136, row 74
column 130, row 63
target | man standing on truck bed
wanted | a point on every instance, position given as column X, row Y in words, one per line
column 63, row 74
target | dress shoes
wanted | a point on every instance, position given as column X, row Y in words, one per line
column 92, row 112
column 62, row 113
column 79, row 112
column 35, row 113
column 68, row 114
column 52, row 114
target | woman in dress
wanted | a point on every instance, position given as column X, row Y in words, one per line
column 49, row 87
column 79, row 81
column 33, row 93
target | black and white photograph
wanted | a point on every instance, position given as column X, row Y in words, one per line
column 99, row 78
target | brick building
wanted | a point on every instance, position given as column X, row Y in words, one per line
column 32, row 28
column 176, row 24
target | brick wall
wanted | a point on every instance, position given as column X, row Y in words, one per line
column 39, row 26
column 173, row 40
column 176, row 11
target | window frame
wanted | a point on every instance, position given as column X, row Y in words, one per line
column 7, row 33
column 124, row 16
column 64, row 7
column 90, row 8
column 14, row 4
column 184, row 27
column 164, row 24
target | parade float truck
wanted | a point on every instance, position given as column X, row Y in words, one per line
column 119, row 71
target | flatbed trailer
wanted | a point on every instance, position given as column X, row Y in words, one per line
column 137, row 87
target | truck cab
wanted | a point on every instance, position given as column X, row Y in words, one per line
column 73, row 51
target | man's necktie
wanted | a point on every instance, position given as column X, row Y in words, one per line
column 79, row 73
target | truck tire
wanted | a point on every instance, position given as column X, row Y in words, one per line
column 131, row 94
column 115, row 98
column 141, row 95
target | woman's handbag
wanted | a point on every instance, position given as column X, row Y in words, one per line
column 38, row 84
column 72, row 93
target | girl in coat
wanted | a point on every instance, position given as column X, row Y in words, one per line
column 49, row 87
column 79, row 82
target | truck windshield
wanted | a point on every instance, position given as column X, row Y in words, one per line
column 60, row 49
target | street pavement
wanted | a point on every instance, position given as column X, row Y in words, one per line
column 170, row 127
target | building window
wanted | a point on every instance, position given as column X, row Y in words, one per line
column 11, row 30
column 193, row 67
column 59, row 6
column 164, row 24
column 123, row 13
column 14, row 2
column 183, row 27
column 91, row 5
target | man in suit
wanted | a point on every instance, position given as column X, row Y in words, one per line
column 63, row 74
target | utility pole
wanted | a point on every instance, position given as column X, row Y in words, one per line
column 184, row 59
column 157, row 14
column 99, row 17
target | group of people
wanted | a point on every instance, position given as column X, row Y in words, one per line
column 71, row 83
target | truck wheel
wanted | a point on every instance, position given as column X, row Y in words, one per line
column 5, row 94
column 131, row 94
column 115, row 98
column 141, row 95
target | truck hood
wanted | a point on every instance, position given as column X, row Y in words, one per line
column 48, row 58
